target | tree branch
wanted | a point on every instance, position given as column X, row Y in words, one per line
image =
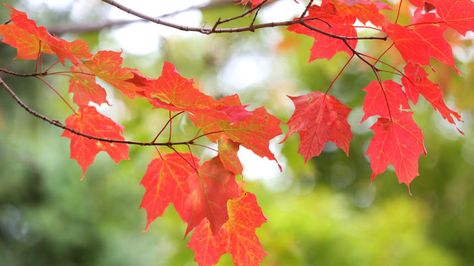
column 59, row 30
column 250, row 28
column 58, row 124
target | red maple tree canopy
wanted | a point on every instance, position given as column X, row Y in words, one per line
column 209, row 195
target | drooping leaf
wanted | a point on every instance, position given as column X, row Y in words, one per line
column 380, row 98
column 208, row 196
column 416, row 82
column 364, row 10
column 107, row 65
column 457, row 14
column 174, row 92
column 331, row 25
column 31, row 40
column 419, row 42
column 88, row 121
column 228, row 154
column 399, row 142
column 28, row 45
column 84, row 87
column 167, row 181
column 254, row 132
column 253, row 2
column 197, row 192
column 318, row 119
column 236, row 237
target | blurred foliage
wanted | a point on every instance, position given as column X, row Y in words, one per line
column 327, row 212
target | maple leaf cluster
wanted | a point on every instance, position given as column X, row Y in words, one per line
column 397, row 141
column 220, row 215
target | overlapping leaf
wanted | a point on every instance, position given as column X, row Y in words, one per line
column 318, row 119
column 107, row 65
column 328, row 27
column 254, row 132
column 88, row 121
column 420, row 42
column 364, row 10
column 167, row 181
column 457, row 14
column 208, row 195
column 197, row 192
column 236, row 237
column 399, row 142
column 31, row 40
column 416, row 82
column 228, row 154
column 84, row 87
column 385, row 101
column 174, row 92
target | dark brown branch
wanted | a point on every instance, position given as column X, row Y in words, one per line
column 59, row 30
column 306, row 9
column 58, row 124
column 251, row 28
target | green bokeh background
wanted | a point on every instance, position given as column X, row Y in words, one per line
column 325, row 212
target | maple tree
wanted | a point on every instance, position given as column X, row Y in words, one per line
column 221, row 216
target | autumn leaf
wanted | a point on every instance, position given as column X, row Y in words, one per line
column 416, row 82
column 32, row 40
column 254, row 132
column 167, row 181
column 174, row 92
column 419, row 42
column 89, row 121
column 329, row 22
column 197, row 193
column 209, row 192
column 84, row 87
column 253, row 2
column 227, row 152
column 457, row 14
column 363, row 10
column 28, row 45
column 380, row 98
column 236, row 237
column 399, row 142
column 318, row 119
column 107, row 65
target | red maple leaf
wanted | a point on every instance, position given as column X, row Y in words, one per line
column 167, row 181
column 254, row 132
column 380, row 98
column 174, row 92
column 89, row 121
column 209, row 193
column 228, row 155
column 457, row 14
column 107, row 65
column 416, row 82
column 327, row 19
column 318, row 119
column 419, row 42
column 196, row 193
column 236, row 237
column 253, row 2
column 84, row 87
column 399, row 142
column 31, row 40
column 364, row 10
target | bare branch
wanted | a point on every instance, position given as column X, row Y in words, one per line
column 58, row 124
column 59, row 30
column 250, row 28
